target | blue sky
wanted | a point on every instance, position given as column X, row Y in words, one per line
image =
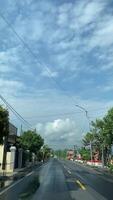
column 73, row 64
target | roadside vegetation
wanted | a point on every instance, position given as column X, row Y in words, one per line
column 31, row 142
column 4, row 123
column 101, row 138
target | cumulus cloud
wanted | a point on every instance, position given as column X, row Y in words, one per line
column 11, row 87
column 74, row 40
column 8, row 59
column 102, row 36
column 60, row 132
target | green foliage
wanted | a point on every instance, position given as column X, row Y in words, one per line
column 89, row 137
column 31, row 141
column 108, row 126
column 4, row 123
column 46, row 151
column 110, row 167
column 101, row 134
column 85, row 153
column 61, row 153
column 40, row 155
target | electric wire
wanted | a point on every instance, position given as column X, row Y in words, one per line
column 15, row 112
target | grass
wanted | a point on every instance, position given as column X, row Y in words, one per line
column 30, row 190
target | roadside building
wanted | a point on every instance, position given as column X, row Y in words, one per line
column 10, row 155
column 70, row 155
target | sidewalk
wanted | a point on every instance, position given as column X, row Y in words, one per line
column 18, row 173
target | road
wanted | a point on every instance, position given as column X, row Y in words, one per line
column 96, row 185
column 15, row 188
column 64, row 180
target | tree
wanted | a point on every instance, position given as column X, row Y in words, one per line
column 44, row 153
column 4, row 123
column 108, row 126
column 88, row 138
column 31, row 141
column 61, row 153
column 85, row 153
column 101, row 135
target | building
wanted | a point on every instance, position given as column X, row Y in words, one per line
column 70, row 155
column 10, row 156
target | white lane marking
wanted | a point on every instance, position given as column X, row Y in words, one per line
column 69, row 171
column 29, row 173
column 5, row 190
column 11, row 186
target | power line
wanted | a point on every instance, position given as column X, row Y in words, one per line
column 53, row 115
column 35, row 56
column 15, row 112
column 62, row 114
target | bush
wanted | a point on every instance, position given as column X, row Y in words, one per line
column 110, row 168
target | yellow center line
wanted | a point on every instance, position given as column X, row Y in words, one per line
column 81, row 185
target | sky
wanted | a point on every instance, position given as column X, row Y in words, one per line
column 55, row 55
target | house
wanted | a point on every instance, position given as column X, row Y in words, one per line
column 10, row 156
column 70, row 154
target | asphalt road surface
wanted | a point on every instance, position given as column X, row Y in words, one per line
column 64, row 180
column 92, row 184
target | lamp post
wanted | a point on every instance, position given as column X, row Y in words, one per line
column 86, row 113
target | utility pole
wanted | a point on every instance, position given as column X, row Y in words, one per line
column 21, row 130
column 87, row 116
column 74, row 151
column 102, row 156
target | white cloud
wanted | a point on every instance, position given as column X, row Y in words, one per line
column 65, row 36
column 107, row 67
column 63, row 19
column 10, row 87
column 102, row 35
column 65, row 8
column 9, row 59
column 90, row 12
column 4, row 68
column 61, row 132
column 49, row 73
column 108, row 87
column 41, row 25
column 81, row 13
column 31, row 28
column 45, row 109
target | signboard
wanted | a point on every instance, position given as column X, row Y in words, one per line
column 12, row 134
column 12, row 129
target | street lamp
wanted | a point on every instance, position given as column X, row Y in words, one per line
column 86, row 113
